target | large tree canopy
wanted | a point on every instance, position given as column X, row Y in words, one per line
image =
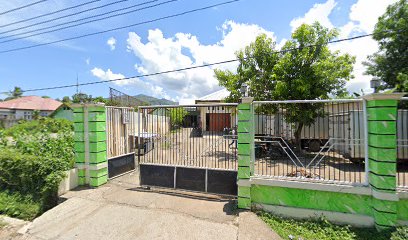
column 305, row 68
column 390, row 63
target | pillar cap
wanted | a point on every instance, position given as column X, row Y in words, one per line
column 247, row 99
column 384, row 96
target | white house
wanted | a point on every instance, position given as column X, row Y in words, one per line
column 23, row 108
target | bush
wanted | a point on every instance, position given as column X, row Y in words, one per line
column 46, row 137
column 32, row 175
column 33, row 159
column 19, row 206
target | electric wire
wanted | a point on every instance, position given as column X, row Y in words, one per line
column 62, row 17
column 192, row 67
column 120, row 28
column 22, row 7
column 49, row 14
column 95, row 20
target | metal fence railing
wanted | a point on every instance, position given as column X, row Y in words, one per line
column 319, row 140
column 197, row 136
column 121, row 124
column 402, row 144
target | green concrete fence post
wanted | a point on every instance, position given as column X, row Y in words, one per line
column 382, row 157
column 245, row 150
column 90, row 144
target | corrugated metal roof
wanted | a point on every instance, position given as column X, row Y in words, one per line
column 216, row 96
column 31, row 103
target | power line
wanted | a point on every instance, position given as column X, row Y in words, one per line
column 49, row 14
column 95, row 20
column 193, row 67
column 22, row 7
column 62, row 17
column 119, row 28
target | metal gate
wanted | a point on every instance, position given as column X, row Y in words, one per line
column 121, row 126
column 191, row 147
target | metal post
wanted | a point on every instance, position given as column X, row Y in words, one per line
column 175, row 177
column 138, row 145
column 365, row 124
column 206, row 180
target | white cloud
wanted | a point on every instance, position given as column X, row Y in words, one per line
column 156, row 91
column 318, row 13
column 363, row 16
column 366, row 13
column 88, row 61
column 183, row 50
column 109, row 75
column 112, row 43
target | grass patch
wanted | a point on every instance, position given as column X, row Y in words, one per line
column 322, row 229
column 18, row 206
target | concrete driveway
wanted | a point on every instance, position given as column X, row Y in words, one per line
column 119, row 210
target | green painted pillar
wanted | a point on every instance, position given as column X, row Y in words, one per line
column 382, row 157
column 90, row 143
column 245, row 150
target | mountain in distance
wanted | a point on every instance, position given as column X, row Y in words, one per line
column 154, row 101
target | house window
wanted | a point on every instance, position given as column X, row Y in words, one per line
column 27, row 115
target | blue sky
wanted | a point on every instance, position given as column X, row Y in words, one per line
column 202, row 37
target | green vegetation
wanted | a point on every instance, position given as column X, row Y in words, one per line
column 33, row 158
column 390, row 62
column 16, row 93
column 322, row 229
column 176, row 117
column 45, row 137
column 18, row 206
column 305, row 69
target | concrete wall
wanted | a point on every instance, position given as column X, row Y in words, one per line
column 378, row 203
column 69, row 183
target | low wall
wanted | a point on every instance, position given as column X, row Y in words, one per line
column 343, row 204
column 70, row 182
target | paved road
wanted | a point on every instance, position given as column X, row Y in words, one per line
column 120, row 211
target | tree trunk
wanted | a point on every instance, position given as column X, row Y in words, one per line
column 298, row 137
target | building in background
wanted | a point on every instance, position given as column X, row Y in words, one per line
column 216, row 118
column 63, row 112
column 23, row 108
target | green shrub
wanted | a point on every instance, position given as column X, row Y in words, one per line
column 400, row 234
column 19, row 206
column 32, row 175
column 46, row 137
column 42, row 125
column 323, row 229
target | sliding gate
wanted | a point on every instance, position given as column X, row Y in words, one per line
column 121, row 126
column 191, row 147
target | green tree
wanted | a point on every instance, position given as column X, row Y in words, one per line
column 177, row 116
column 305, row 69
column 100, row 99
column 36, row 114
column 390, row 62
column 81, row 98
column 66, row 99
column 16, row 93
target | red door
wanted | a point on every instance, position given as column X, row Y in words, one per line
column 219, row 121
